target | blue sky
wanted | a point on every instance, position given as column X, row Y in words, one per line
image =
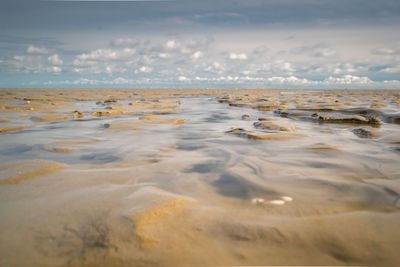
column 200, row 44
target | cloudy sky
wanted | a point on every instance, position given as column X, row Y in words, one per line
column 200, row 44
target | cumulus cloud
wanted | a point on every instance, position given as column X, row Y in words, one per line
column 197, row 55
column 171, row 44
column 391, row 50
column 348, row 79
column 335, row 68
column 240, row 56
column 325, row 52
column 37, row 50
column 31, row 64
column 55, row 70
column 214, row 67
column 290, row 80
column 315, row 50
column 164, row 55
column 331, row 80
column 55, row 60
column 219, row 15
column 392, row 83
column 140, row 57
column 392, row 69
column 104, row 61
column 86, row 81
column 183, row 79
column 124, row 42
column 103, row 55
column 177, row 60
column 260, row 50
column 144, row 69
column 282, row 67
column 27, row 63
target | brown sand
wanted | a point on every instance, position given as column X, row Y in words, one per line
column 317, row 184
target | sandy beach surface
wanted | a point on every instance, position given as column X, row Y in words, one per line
column 96, row 177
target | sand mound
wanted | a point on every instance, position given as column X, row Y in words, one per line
column 13, row 128
column 15, row 173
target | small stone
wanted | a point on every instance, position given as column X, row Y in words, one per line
column 257, row 201
column 275, row 126
column 246, row 117
column 344, row 118
column 266, row 119
column 286, row 198
column 111, row 100
column 276, row 202
column 77, row 114
column 365, row 133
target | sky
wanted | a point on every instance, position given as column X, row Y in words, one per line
column 323, row 44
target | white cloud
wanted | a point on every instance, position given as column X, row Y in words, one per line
column 163, row 55
column 107, row 61
column 325, row 52
column 342, row 80
column 348, row 79
column 394, row 83
column 109, row 70
column 27, row 63
column 287, row 66
column 240, row 56
column 183, row 79
column 103, row 55
column 289, row 80
column 121, row 80
column 31, row 64
column 260, row 50
column 197, row 55
column 214, row 67
column 37, row 50
column 393, row 69
column 336, row 68
column 166, row 60
column 54, row 69
column 219, row 15
column 144, row 69
column 391, row 50
column 171, row 44
column 55, row 60
column 315, row 50
column 283, row 67
column 124, row 42
column 86, row 81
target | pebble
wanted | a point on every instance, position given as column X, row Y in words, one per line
column 276, row 202
column 281, row 201
column 286, row 198
column 246, row 117
column 258, row 201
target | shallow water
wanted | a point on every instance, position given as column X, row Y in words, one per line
column 143, row 188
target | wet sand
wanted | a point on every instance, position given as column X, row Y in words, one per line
column 116, row 177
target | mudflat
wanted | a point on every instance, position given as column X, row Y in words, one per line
column 146, row 177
